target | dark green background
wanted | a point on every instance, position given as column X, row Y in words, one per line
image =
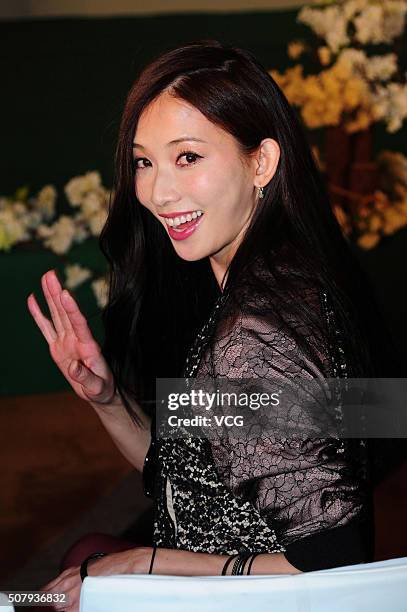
column 63, row 86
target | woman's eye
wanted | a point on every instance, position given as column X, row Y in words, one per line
column 135, row 163
column 190, row 157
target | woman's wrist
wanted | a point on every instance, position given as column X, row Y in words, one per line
column 113, row 403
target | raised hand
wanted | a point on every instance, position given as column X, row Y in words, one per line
column 71, row 344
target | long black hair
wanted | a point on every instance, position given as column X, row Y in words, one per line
column 156, row 299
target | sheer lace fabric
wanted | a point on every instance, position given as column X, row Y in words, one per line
column 261, row 492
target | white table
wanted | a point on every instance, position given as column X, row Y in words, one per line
column 371, row 587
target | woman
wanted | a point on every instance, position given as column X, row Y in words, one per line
column 221, row 237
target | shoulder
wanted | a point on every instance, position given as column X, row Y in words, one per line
column 277, row 286
column 271, row 319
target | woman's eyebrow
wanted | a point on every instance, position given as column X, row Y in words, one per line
column 176, row 141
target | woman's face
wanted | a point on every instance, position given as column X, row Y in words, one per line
column 186, row 165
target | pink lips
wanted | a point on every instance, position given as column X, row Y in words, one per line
column 187, row 229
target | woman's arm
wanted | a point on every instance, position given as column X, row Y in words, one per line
column 133, row 441
column 186, row 563
column 167, row 562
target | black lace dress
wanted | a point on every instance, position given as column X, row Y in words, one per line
column 307, row 498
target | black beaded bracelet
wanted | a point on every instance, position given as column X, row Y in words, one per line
column 236, row 565
column 84, row 565
column 239, row 564
column 228, row 562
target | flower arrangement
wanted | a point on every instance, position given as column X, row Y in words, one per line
column 20, row 215
column 353, row 89
column 359, row 83
column 383, row 212
column 24, row 218
column 87, row 194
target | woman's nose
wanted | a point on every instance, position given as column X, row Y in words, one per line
column 164, row 191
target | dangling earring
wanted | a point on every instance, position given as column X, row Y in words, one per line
column 261, row 193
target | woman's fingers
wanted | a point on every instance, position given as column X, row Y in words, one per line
column 52, row 305
column 77, row 320
column 93, row 386
column 53, row 583
column 55, row 289
column 68, row 583
column 45, row 325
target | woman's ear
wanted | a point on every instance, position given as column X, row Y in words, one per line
column 265, row 162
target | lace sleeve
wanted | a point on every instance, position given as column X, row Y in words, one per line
column 300, row 485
